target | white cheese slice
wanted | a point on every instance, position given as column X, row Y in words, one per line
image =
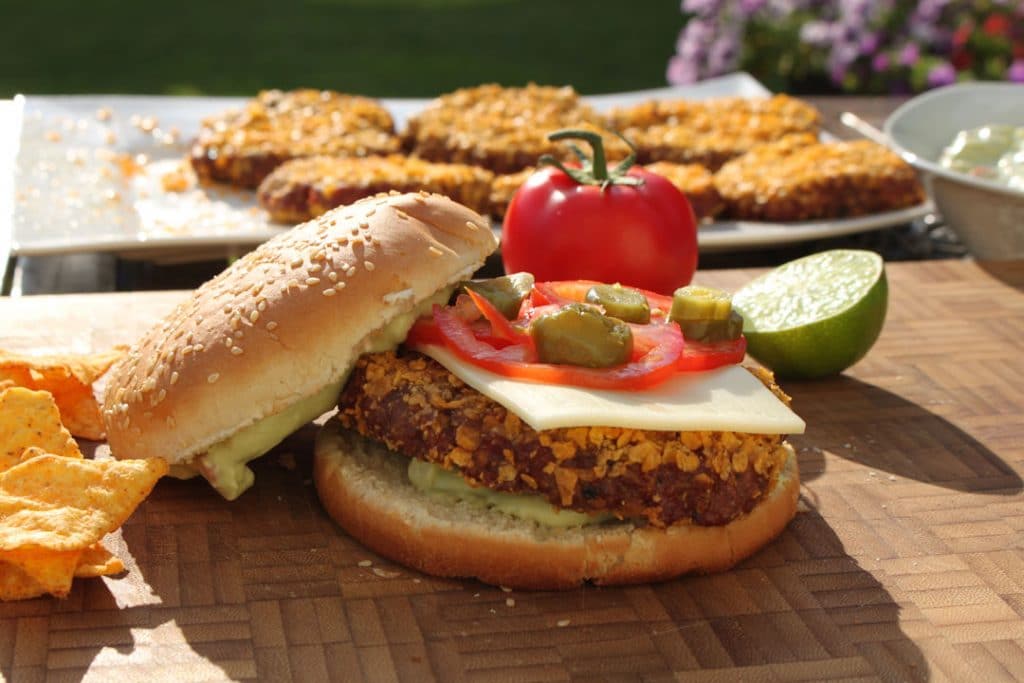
column 725, row 399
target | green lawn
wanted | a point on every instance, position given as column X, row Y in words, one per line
column 409, row 48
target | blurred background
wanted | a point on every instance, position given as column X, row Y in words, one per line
column 418, row 48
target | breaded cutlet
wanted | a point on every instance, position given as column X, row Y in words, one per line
column 302, row 189
column 799, row 178
column 241, row 147
column 502, row 129
column 710, row 132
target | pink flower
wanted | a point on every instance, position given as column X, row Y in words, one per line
column 681, row 71
column 909, row 54
column 1016, row 71
column 942, row 73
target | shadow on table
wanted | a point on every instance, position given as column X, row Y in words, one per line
column 878, row 429
column 1010, row 273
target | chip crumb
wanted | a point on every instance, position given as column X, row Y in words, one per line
column 511, row 602
column 366, row 563
column 505, row 589
column 385, row 573
column 562, row 623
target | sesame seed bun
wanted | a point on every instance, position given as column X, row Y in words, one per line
column 364, row 487
column 285, row 321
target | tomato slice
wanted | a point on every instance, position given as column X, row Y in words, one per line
column 500, row 326
column 697, row 356
column 660, row 345
column 570, row 291
column 506, row 348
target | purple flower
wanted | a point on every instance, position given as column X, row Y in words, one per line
column 942, row 73
column 702, row 7
column 880, row 62
column 910, row 54
column 1016, row 71
column 869, row 43
column 724, row 54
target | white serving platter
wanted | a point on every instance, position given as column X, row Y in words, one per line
column 79, row 186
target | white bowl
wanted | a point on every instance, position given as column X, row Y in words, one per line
column 987, row 216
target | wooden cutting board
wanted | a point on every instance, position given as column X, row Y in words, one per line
column 905, row 562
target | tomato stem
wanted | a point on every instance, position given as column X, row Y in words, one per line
column 593, row 170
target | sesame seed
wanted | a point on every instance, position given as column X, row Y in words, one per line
column 239, row 334
column 368, row 265
column 229, row 342
column 174, row 378
column 328, row 292
column 161, row 395
column 236, row 350
column 393, row 193
column 435, row 251
column 402, row 215
column 261, row 305
column 371, row 212
column 296, row 262
column 254, row 316
column 365, row 563
column 149, row 384
column 199, row 347
column 562, row 623
column 364, row 225
column 312, row 280
column 332, row 276
column 213, row 377
column 271, row 325
column 472, row 226
column 351, row 271
column 339, row 286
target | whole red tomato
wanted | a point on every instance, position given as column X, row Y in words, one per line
column 622, row 225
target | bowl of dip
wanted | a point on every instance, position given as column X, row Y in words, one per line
column 967, row 141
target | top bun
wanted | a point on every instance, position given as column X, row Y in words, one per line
column 285, row 320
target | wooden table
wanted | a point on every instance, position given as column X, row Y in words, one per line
column 905, row 561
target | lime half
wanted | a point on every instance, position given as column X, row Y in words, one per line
column 815, row 316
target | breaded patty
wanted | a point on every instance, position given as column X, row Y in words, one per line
column 710, row 132
column 241, row 147
column 693, row 180
column 502, row 129
column 302, row 189
column 696, row 182
column 417, row 407
column 799, row 178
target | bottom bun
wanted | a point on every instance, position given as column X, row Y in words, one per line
column 365, row 489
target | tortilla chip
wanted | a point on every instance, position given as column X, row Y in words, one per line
column 51, row 571
column 30, row 418
column 69, row 378
column 96, row 560
column 63, row 504
column 15, row 584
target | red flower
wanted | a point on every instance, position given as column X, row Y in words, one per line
column 962, row 34
column 997, row 25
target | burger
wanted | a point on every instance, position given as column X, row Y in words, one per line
column 455, row 448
